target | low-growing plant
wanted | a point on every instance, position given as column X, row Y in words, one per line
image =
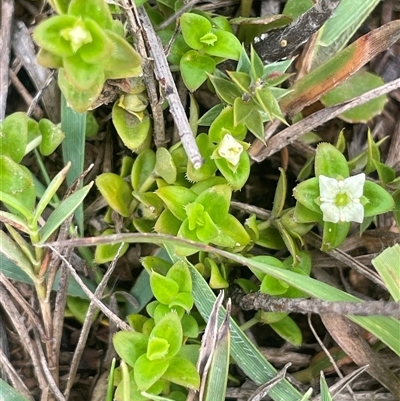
column 158, row 358
column 87, row 46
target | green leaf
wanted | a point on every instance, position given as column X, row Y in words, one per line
column 226, row 45
column 208, row 168
column 396, row 211
column 241, row 79
column 63, row 211
column 176, row 198
column 130, row 345
column 216, row 202
column 209, row 116
column 354, row 86
column 224, row 124
column 9, row 393
column 16, row 181
column 306, row 193
column 226, row 90
column 164, row 288
column 169, row 328
column 148, row 372
column 194, row 27
column 142, row 177
column 270, row 238
column 294, row 8
column 180, row 273
column 183, row 300
column 165, row 166
column 233, row 233
column 182, row 372
column 269, row 260
column 52, row 136
column 236, row 178
column 96, row 10
column 330, row 162
column 14, row 136
column 133, row 132
column 379, row 200
column 116, row 191
column 280, row 195
column 167, row 223
column 99, row 48
column 241, row 110
column 288, row 329
column 386, row 174
column 157, row 348
column 254, row 124
column 190, row 327
column 15, row 255
column 269, row 104
column 195, row 68
column 334, row 235
column 124, row 61
column 387, row 265
column 82, row 75
column 257, row 66
column 79, row 101
column 48, row 35
column 107, row 252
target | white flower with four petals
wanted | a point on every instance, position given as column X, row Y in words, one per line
column 340, row 198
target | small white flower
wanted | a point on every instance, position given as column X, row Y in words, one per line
column 230, row 149
column 340, row 199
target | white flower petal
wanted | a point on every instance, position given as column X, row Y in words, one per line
column 354, row 186
column 330, row 212
column 328, row 187
column 354, row 211
column 230, row 149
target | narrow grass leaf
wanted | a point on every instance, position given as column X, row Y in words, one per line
column 73, row 124
column 388, row 266
column 10, row 394
column 66, row 208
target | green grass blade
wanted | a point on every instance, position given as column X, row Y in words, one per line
column 66, row 208
column 13, row 272
column 384, row 328
column 50, row 191
column 218, row 374
column 245, row 353
column 10, row 394
column 387, row 265
column 73, row 124
column 340, row 28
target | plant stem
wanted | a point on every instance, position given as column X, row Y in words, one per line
column 249, row 324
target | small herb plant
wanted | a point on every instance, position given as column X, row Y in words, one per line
column 159, row 190
column 26, row 228
column 158, row 359
column 87, row 46
column 334, row 199
column 206, row 42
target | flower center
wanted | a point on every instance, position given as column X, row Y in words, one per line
column 78, row 35
column 342, row 200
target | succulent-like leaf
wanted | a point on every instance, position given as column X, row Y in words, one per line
column 194, row 68
column 14, row 136
column 116, row 191
column 194, row 27
column 52, row 136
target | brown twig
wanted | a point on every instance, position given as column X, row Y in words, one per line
column 294, row 132
column 138, row 20
column 267, row 303
column 7, row 12
column 88, row 323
